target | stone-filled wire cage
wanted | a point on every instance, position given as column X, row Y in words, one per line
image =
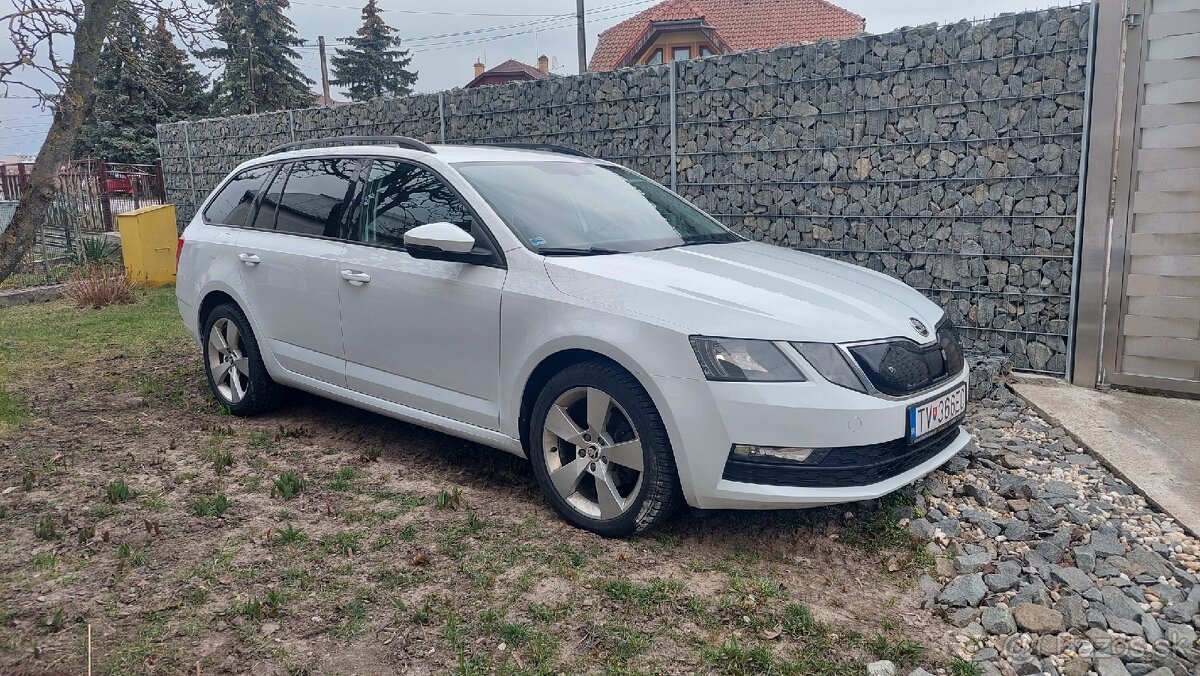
column 948, row 157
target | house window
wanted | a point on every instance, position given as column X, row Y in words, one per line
column 705, row 51
column 681, row 53
column 655, row 58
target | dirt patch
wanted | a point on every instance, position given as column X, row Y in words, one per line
column 405, row 551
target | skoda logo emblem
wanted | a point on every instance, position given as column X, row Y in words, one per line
column 919, row 326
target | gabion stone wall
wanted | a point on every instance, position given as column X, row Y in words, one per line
column 948, row 157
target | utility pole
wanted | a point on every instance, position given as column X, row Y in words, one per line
column 581, row 30
column 324, row 69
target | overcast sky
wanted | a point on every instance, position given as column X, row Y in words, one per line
column 447, row 36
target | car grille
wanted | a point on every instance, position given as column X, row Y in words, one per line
column 845, row 466
column 901, row 367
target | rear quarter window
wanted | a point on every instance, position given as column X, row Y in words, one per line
column 234, row 203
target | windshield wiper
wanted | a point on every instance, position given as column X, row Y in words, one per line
column 717, row 239
column 695, row 241
column 577, row 251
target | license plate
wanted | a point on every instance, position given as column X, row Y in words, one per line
column 936, row 414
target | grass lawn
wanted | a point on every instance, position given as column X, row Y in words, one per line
column 322, row 539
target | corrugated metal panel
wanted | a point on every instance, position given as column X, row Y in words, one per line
column 1160, row 323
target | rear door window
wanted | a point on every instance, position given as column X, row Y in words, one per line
column 234, row 204
column 400, row 196
column 316, row 196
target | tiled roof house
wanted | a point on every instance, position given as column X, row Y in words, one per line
column 676, row 30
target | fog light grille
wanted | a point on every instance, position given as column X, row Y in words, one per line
column 839, row 467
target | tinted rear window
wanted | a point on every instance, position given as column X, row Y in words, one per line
column 235, row 202
column 316, row 197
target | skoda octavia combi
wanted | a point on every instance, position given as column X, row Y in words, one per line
column 568, row 310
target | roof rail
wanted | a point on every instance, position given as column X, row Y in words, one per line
column 547, row 147
column 402, row 141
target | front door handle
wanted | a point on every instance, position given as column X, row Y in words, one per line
column 249, row 259
column 355, row 277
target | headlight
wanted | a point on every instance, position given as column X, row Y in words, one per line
column 733, row 359
column 831, row 363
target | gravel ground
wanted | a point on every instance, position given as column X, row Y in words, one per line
column 1048, row 563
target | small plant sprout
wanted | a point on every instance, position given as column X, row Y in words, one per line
column 449, row 499
column 118, row 492
column 343, row 480
column 474, row 523
column 290, row 534
column 210, row 505
column 55, row 622
column 128, row 556
column 221, row 461
column 957, row 666
column 300, row 432
column 288, row 485
column 44, row 528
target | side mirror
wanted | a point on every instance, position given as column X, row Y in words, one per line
column 434, row 238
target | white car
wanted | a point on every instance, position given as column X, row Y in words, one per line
column 571, row 311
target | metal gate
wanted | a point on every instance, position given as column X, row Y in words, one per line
column 1149, row 307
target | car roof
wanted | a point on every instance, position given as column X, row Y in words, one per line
column 450, row 154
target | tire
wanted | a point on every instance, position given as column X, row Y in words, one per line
column 589, row 478
column 254, row 391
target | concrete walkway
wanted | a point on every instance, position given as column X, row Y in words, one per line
column 1152, row 442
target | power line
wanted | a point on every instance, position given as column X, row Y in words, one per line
column 15, row 136
column 26, row 117
column 416, row 11
column 546, row 22
column 564, row 23
column 463, row 14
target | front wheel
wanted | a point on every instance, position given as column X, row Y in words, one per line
column 600, row 451
column 236, row 374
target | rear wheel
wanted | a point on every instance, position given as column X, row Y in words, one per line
column 600, row 451
column 234, row 367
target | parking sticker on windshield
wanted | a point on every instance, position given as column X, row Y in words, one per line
column 537, row 241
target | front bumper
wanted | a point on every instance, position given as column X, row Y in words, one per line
column 705, row 419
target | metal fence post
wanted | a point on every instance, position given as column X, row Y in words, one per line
column 292, row 125
column 442, row 117
column 187, row 147
column 1080, row 193
column 674, row 142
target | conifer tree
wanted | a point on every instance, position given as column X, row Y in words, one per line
column 260, row 72
column 143, row 80
column 373, row 64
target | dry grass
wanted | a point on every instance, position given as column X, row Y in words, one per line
column 99, row 285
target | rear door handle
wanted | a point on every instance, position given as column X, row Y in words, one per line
column 356, row 278
column 249, row 259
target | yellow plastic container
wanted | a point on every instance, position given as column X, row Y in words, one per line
column 148, row 241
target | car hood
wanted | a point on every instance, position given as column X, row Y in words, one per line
column 749, row 290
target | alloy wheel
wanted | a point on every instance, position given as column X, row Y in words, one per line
column 227, row 361
column 593, row 453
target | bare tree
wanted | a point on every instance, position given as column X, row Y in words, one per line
column 41, row 30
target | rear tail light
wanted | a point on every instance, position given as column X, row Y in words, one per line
column 178, row 251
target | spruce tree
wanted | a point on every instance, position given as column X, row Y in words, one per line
column 142, row 80
column 181, row 88
column 260, row 73
column 373, row 64
column 115, row 128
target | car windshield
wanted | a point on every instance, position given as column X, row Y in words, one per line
column 573, row 208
